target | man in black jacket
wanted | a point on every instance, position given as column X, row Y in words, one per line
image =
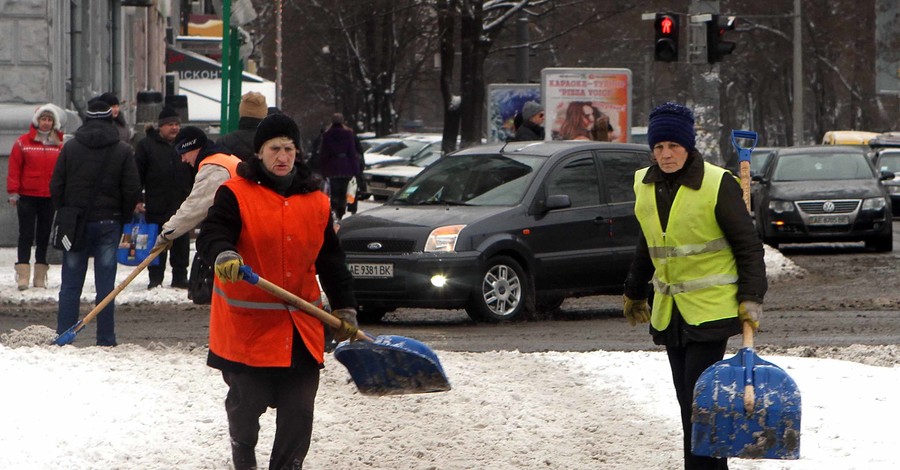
column 167, row 182
column 239, row 142
column 532, row 127
column 95, row 172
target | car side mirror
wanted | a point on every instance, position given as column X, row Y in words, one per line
column 887, row 175
column 557, row 201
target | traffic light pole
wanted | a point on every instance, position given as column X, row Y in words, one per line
column 797, row 109
column 705, row 87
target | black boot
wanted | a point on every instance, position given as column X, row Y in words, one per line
column 179, row 279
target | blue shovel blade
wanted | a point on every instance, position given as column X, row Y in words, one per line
column 721, row 426
column 392, row 365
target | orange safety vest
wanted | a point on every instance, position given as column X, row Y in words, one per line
column 229, row 162
column 280, row 239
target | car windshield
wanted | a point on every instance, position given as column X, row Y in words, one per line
column 387, row 148
column 476, row 180
column 822, row 166
column 410, row 149
column 889, row 162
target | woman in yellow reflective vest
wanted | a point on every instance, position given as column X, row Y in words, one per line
column 273, row 217
column 699, row 253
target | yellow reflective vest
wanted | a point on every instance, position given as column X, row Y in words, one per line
column 695, row 267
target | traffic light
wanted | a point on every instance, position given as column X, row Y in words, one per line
column 666, row 27
column 716, row 47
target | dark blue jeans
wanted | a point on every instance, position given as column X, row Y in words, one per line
column 102, row 240
column 35, row 217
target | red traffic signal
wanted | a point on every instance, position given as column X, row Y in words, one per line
column 716, row 46
column 666, row 40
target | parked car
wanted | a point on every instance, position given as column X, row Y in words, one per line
column 824, row 194
column 385, row 180
column 502, row 230
column 402, row 150
column 888, row 159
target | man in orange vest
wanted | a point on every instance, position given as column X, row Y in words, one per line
column 274, row 218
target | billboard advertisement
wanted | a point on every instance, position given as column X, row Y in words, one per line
column 503, row 101
column 587, row 103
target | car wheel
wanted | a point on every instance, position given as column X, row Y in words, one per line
column 881, row 244
column 370, row 314
column 502, row 293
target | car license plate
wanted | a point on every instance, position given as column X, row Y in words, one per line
column 378, row 270
column 829, row 220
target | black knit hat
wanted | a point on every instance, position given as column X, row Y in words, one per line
column 276, row 125
column 672, row 122
column 167, row 115
column 110, row 98
column 98, row 109
column 190, row 138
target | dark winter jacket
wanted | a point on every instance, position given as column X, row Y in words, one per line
column 240, row 142
column 97, row 156
column 528, row 131
column 735, row 222
column 222, row 227
column 337, row 155
column 165, row 178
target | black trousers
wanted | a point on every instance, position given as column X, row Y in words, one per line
column 35, row 218
column 687, row 363
column 338, row 185
column 292, row 392
column 180, row 256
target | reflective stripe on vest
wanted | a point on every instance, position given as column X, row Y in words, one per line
column 694, row 265
column 260, row 305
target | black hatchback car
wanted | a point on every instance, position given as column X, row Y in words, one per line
column 500, row 230
column 824, row 193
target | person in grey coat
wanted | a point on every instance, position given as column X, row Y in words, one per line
column 95, row 172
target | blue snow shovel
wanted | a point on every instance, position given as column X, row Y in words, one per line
column 383, row 365
column 745, row 406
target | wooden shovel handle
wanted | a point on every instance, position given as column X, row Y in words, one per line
column 122, row 285
column 295, row 301
column 749, row 394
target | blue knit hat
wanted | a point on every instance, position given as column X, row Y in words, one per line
column 672, row 122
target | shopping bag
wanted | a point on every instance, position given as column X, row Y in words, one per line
column 200, row 284
column 137, row 240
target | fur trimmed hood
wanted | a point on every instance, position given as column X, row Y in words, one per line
column 58, row 116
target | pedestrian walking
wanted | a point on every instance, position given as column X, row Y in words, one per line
column 274, row 218
column 166, row 181
column 31, row 162
column 700, row 252
column 252, row 110
column 95, row 171
column 338, row 162
column 532, row 127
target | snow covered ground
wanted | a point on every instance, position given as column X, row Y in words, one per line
column 161, row 408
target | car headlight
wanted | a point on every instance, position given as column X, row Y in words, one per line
column 781, row 206
column 443, row 239
column 874, row 204
column 399, row 179
column 893, row 189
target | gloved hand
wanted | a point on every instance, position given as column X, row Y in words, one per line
column 228, row 265
column 162, row 243
column 751, row 312
column 636, row 311
column 349, row 326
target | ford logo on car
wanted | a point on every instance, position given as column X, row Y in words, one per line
column 374, row 246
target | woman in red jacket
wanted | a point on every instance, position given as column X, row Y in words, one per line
column 31, row 164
